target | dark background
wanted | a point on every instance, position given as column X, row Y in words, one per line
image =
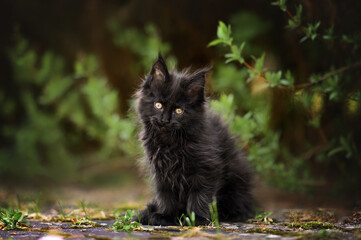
column 69, row 28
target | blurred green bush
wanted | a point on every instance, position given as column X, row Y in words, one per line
column 66, row 120
column 301, row 134
column 289, row 127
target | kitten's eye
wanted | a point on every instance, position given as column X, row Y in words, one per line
column 178, row 111
column 158, row 105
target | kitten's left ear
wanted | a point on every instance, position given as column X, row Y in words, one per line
column 196, row 85
column 159, row 72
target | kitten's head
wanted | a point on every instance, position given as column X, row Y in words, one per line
column 171, row 101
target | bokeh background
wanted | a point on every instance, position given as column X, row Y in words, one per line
column 68, row 70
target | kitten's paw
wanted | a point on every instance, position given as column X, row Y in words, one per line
column 157, row 219
column 201, row 221
column 142, row 217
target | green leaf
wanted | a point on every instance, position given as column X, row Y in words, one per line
column 334, row 151
column 329, row 33
column 241, row 59
column 304, row 39
column 333, row 96
column 315, row 122
column 291, row 24
column 289, row 78
column 298, row 16
column 215, row 42
column 274, row 78
column 259, row 64
column 281, row 4
column 17, row 216
column 193, row 217
column 129, row 214
column 223, row 32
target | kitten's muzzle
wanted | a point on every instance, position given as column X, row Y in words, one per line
column 161, row 124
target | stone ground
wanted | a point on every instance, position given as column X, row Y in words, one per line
column 286, row 224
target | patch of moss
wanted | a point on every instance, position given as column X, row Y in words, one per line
column 265, row 230
column 83, row 223
column 312, row 225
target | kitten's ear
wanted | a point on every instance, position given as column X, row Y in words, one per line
column 196, row 85
column 159, row 72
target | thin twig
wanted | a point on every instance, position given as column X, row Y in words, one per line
column 326, row 76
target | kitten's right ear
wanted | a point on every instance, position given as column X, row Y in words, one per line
column 159, row 73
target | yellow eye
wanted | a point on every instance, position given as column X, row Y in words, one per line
column 178, row 111
column 158, row 105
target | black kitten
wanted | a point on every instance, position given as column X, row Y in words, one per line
column 191, row 155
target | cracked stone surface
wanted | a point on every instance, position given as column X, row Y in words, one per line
column 52, row 230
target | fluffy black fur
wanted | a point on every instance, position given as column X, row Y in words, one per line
column 192, row 156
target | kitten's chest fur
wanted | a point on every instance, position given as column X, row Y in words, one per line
column 170, row 166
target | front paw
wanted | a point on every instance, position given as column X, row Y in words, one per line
column 201, row 221
column 142, row 217
column 157, row 219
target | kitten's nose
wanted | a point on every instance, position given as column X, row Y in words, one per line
column 165, row 119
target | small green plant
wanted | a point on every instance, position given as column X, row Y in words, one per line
column 180, row 219
column 191, row 219
column 262, row 217
column 214, row 214
column 82, row 204
column 61, row 209
column 37, row 204
column 12, row 219
column 82, row 223
column 18, row 198
column 126, row 224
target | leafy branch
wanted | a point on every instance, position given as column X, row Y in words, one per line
column 224, row 37
column 326, row 76
column 273, row 79
column 311, row 30
column 295, row 21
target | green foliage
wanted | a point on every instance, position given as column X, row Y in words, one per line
column 144, row 44
column 61, row 209
column 262, row 217
column 11, row 219
column 213, row 209
column 224, row 37
column 61, row 112
column 83, row 207
column 265, row 148
column 191, row 219
column 329, row 35
column 38, row 138
column 296, row 21
column 246, row 108
column 126, row 224
column 311, row 31
column 345, row 146
column 281, row 4
column 82, row 223
column 332, row 87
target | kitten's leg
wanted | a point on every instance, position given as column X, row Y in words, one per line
column 235, row 202
column 200, row 197
column 166, row 213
